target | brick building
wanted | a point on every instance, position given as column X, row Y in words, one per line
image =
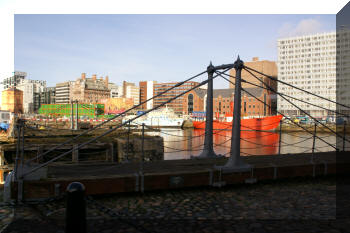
column 264, row 66
column 195, row 101
column 177, row 104
column 12, row 100
column 90, row 90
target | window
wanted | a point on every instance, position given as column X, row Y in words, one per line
column 190, row 103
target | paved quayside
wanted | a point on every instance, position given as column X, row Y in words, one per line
column 297, row 205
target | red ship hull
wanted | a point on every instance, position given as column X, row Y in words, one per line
column 263, row 123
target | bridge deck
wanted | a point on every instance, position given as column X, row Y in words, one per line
column 102, row 178
column 107, row 169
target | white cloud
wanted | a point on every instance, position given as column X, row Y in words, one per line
column 304, row 27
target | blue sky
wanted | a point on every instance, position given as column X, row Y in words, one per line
column 59, row 48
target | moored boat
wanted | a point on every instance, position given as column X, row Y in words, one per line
column 164, row 117
column 257, row 123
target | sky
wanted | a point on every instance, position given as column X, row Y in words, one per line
column 135, row 48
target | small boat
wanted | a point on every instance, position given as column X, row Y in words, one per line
column 164, row 117
column 264, row 123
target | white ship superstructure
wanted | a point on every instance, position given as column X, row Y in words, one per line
column 164, row 117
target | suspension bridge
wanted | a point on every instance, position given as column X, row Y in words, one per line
column 44, row 176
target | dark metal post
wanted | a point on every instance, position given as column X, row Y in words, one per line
column 76, row 116
column 142, row 148
column 208, row 150
column 190, row 137
column 75, row 208
column 314, row 139
column 235, row 162
column 71, row 116
column 280, row 139
column 18, row 127
column 344, row 133
column 128, row 145
column 22, row 148
column 20, row 180
column 313, row 143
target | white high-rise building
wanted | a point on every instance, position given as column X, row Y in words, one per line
column 149, row 104
column 63, row 92
column 115, row 90
column 130, row 90
column 307, row 62
column 133, row 92
column 31, row 94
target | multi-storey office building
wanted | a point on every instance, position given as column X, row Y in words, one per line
column 177, row 104
column 63, row 93
column 31, row 94
column 130, row 90
column 48, row 95
column 309, row 63
column 134, row 93
column 14, row 80
column 115, row 90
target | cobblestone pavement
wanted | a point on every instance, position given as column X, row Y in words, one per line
column 294, row 206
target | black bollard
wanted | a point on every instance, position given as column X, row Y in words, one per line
column 75, row 208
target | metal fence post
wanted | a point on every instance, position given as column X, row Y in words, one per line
column 21, row 145
column 18, row 127
column 128, row 145
column 190, row 137
column 142, row 148
column 22, row 148
column 72, row 115
column 76, row 116
column 280, row 139
column 75, row 208
column 313, row 144
column 142, row 159
column 314, row 139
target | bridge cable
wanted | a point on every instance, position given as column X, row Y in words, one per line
column 116, row 116
column 285, row 83
column 303, row 101
column 271, row 89
column 277, row 111
column 119, row 126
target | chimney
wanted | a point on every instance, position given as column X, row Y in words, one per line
column 106, row 81
column 94, row 77
column 255, row 59
column 83, row 76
